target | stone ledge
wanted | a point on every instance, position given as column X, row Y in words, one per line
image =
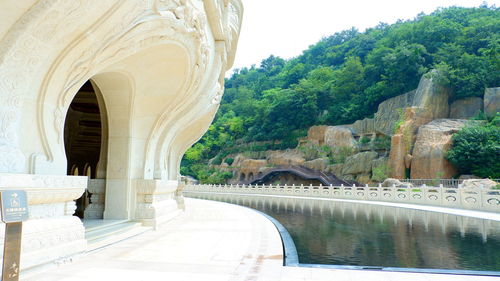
column 42, row 189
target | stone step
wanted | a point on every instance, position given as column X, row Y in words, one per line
column 105, row 234
column 92, row 225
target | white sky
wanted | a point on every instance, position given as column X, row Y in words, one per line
column 287, row 27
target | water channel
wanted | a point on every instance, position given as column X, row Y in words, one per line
column 339, row 233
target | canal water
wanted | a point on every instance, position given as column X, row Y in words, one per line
column 354, row 234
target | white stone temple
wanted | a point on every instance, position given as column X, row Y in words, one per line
column 99, row 100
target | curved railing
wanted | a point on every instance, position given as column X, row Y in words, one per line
column 481, row 199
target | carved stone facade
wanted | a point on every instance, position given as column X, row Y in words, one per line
column 97, row 189
column 156, row 201
column 157, row 67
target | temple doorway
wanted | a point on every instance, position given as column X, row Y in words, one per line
column 85, row 139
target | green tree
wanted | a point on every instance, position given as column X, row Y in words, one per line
column 345, row 76
column 476, row 149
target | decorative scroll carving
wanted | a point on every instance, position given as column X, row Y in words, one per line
column 48, row 23
column 22, row 53
column 178, row 21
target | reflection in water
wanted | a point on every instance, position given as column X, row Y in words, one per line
column 340, row 233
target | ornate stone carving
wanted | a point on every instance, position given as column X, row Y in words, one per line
column 25, row 45
column 49, row 53
column 155, row 201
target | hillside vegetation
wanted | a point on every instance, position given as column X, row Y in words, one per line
column 344, row 77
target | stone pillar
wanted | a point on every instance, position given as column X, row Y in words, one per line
column 156, row 202
column 97, row 189
column 52, row 234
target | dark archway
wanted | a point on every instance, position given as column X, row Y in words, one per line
column 83, row 138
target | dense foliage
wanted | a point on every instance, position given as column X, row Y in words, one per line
column 476, row 149
column 344, row 77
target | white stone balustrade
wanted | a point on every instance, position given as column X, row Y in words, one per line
column 463, row 198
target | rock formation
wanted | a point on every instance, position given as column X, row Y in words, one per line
column 466, row 108
column 339, row 136
column 319, row 164
column 432, row 98
column 492, row 101
column 479, row 183
column 395, row 182
column 364, row 126
column 388, row 112
column 433, row 140
column 414, row 122
column 283, row 158
column 360, row 163
column 316, row 134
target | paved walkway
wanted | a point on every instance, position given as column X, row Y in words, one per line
column 211, row 241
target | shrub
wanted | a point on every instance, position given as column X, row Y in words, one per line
column 381, row 172
column 400, row 121
column 340, row 154
column 308, row 150
column 229, row 161
column 217, row 160
column 218, row 177
column 364, row 139
column 383, row 142
column 476, row 149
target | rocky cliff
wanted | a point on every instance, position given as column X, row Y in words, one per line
column 407, row 137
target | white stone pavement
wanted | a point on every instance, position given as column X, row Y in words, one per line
column 211, row 241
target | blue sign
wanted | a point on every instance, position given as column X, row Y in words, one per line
column 14, row 204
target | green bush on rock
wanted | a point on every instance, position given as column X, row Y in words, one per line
column 476, row 149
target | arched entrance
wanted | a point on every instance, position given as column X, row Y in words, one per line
column 85, row 139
